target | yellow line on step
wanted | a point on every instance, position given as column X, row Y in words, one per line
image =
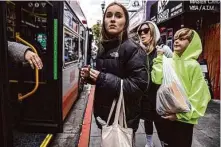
column 46, row 141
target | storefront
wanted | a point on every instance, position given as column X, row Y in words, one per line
column 202, row 16
column 135, row 21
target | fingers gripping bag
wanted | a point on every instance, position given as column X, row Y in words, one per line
column 171, row 96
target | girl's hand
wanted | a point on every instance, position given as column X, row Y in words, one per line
column 171, row 117
column 94, row 74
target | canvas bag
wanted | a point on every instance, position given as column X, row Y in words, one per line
column 117, row 134
column 171, row 96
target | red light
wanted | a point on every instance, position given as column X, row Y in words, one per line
column 84, row 21
column 162, row 29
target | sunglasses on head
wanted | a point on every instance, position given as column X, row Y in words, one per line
column 146, row 30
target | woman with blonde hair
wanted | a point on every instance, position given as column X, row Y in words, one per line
column 150, row 41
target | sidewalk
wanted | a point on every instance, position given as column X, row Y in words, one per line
column 73, row 123
column 206, row 133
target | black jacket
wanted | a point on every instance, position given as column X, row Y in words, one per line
column 129, row 66
column 148, row 102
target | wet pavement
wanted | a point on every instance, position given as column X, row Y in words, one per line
column 206, row 133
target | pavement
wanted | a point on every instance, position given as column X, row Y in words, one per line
column 73, row 123
column 206, row 133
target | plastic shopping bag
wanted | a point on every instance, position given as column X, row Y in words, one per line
column 171, row 96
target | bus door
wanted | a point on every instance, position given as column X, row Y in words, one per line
column 5, row 125
column 35, row 94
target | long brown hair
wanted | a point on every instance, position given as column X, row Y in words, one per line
column 124, row 34
column 152, row 44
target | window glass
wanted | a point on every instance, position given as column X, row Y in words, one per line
column 70, row 19
column 82, row 46
column 82, row 31
column 70, row 48
column 33, row 22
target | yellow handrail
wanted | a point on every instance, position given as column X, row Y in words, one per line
column 20, row 96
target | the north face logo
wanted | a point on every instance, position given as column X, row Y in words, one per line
column 114, row 54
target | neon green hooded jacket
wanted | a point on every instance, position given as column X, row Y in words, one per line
column 189, row 72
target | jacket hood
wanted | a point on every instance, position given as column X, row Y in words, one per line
column 193, row 50
column 155, row 27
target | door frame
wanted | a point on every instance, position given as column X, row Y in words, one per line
column 5, row 124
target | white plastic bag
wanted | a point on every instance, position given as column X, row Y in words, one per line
column 117, row 134
column 171, row 96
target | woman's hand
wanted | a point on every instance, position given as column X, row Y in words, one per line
column 85, row 73
column 94, row 74
column 171, row 117
column 33, row 59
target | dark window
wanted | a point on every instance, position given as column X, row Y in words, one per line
column 70, row 48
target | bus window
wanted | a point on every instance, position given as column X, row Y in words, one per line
column 70, row 48
column 82, row 43
column 11, row 20
column 82, row 31
column 32, row 24
column 70, row 19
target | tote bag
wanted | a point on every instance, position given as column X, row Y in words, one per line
column 117, row 134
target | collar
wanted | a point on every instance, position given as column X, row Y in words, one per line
column 110, row 44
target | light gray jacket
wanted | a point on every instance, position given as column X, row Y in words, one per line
column 17, row 51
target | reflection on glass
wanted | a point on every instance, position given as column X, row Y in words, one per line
column 82, row 31
column 70, row 48
column 70, row 19
column 82, row 45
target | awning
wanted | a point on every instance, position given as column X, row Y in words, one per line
column 164, row 10
column 137, row 19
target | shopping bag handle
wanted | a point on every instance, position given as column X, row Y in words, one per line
column 119, row 110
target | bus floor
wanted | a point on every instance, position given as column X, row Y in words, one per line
column 21, row 139
column 206, row 133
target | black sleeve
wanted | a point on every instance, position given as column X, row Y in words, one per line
column 136, row 82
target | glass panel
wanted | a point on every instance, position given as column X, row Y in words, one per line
column 70, row 48
column 70, row 19
column 82, row 31
column 31, row 20
column 33, row 23
column 11, row 18
column 82, row 46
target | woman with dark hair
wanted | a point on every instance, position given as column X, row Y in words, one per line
column 118, row 58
